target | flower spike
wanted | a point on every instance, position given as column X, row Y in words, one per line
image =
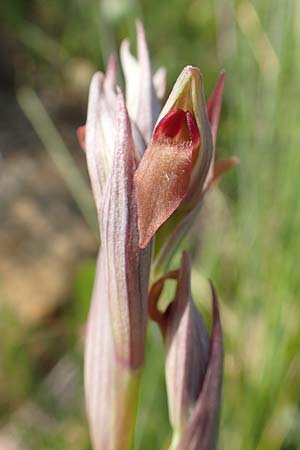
column 149, row 172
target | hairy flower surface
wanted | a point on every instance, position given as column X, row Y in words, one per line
column 179, row 165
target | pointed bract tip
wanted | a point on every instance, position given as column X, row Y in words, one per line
column 215, row 303
column 111, row 70
column 140, row 27
column 214, row 105
column 81, row 132
column 220, row 167
column 121, row 105
column 193, row 70
column 141, row 40
column 190, row 74
column 97, row 78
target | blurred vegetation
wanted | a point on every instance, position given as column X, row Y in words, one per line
column 250, row 239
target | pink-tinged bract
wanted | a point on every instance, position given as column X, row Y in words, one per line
column 115, row 342
column 193, row 364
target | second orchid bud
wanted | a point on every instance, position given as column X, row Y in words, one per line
column 193, row 364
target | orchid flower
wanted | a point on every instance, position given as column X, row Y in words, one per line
column 193, row 363
column 179, row 166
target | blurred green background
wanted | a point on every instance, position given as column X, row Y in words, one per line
column 249, row 243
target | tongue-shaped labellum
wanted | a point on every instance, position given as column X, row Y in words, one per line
column 163, row 176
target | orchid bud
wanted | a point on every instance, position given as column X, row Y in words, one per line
column 180, row 150
column 178, row 166
column 193, row 364
column 115, row 342
column 97, row 137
